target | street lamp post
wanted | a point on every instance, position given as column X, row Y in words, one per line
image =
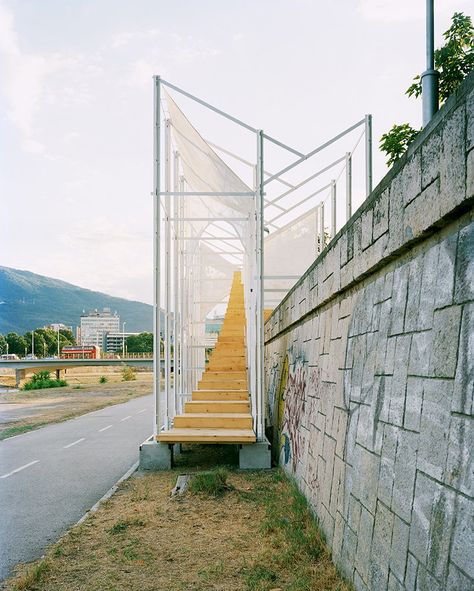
column 430, row 77
column 123, row 338
column 58, row 344
column 33, row 343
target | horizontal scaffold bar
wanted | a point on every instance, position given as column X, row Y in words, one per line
column 209, row 219
column 210, row 238
column 207, row 194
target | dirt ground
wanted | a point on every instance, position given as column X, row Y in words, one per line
column 258, row 536
column 21, row 411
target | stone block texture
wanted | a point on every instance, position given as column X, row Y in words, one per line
column 370, row 378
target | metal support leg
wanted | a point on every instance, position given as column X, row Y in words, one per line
column 348, row 185
column 156, row 255
column 333, row 208
column 368, row 154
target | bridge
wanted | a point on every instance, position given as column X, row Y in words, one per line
column 21, row 366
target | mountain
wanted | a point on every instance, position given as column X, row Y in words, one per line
column 29, row 301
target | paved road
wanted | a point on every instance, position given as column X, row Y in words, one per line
column 49, row 478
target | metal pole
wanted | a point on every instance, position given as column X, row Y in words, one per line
column 368, row 155
column 316, row 215
column 430, row 77
column 348, row 185
column 333, row 208
column 176, row 359
column 321, row 227
column 167, row 272
column 182, row 352
column 156, row 253
column 260, row 300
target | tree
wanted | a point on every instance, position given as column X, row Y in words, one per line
column 68, row 336
column 140, row 343
column 16, row 343
column 454, row 60
column 40, row 348
column 3, row 345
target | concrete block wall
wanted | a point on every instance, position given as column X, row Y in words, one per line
column 369, row 366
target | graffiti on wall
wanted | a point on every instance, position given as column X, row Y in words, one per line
column 287, row 395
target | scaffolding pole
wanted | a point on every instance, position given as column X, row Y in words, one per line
column 156, row 253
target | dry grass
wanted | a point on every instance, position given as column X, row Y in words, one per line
column 41, row 407
column 143, row 540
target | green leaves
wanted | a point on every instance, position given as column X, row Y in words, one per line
column 396, row 141
column 454, row 60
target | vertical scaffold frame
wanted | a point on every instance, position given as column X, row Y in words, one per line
column 174, row 248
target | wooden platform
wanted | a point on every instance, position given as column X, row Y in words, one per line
column 219, row 411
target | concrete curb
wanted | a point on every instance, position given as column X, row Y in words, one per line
column 107, row 495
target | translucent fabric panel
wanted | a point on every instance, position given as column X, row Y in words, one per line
column 289, row 251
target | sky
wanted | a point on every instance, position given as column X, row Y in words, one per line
column 76, row 107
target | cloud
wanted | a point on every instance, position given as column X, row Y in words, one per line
column 27, row 81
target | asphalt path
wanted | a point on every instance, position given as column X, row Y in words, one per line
column 50, row 477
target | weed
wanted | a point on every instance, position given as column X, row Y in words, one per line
column 32, row 576
column 258, row 578
column 58, row 552
column 121, row 526
column 103, row 380
column 212, row 483
column 128, row 374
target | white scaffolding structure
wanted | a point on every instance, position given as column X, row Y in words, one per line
column 209, row 223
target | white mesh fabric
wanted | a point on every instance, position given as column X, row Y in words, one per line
column 289, row 251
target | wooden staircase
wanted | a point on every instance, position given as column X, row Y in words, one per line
column 219, row 411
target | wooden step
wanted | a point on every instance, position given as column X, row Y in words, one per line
column 232, row 367
column 237, row 340
column 217, row 406
column 220, row 395
column 221, row 420
column 225, row 375
column 222, row 384
column 207, row 436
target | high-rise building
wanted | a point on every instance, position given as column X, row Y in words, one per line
column 95, row 325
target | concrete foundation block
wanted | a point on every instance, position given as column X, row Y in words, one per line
column 255, row 456
column 155, row 456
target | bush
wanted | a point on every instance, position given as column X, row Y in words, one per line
column 128, row 374
column 41, row 380
column 103, row 380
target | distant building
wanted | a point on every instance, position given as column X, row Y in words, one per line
column 95, row 325
column 114, row 341
column 56, row 326
column 214, row 325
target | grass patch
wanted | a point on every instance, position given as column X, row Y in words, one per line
column 103, row 380
column 32, row 576
column 18, row 430
column 36, row 408
column 121, row 526
column 259, row 536
column 212, row 483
